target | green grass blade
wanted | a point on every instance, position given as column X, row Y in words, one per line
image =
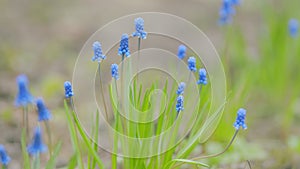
column 96, row 136
column 185, row 161
column 73, row 135
column 87, row 142
column 73, row 162
column 26, row 159
column 51, row 163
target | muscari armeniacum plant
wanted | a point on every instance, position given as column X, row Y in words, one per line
column 171, row 160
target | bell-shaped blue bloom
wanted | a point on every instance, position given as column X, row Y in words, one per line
column 181, row 88
column 192, row 64
column 240, row 119
column 181, row 51
column 202, row 77
column 226, row 12
column 124, row 48
column 43, row 113
column 139, row 28
column 293, row 27
column 68, row 89
column 4, row 158
column 98, row 55
column 23, row 97
column 179, row 104
column 37, row 145
column 115, row 71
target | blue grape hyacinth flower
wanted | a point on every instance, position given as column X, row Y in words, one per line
column 179, row 104
column 139, row 28
column 181, row 88
column 124, row 47
column 202, row 77
column 43, row 112
column 23, row 97
column 192, row 64
column 37, row 146
column 226, row 12
column 115, row 71
column 4, row 158
column 98, row 55
column 240, row 119
column 181, row 51
column 293, row 27
column 68, row 89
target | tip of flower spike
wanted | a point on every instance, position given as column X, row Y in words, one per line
column 23, row 97
column 4, row 158
column 43, row 113
column 22, row 79
column 98, row 55
column 181, row 51
column 68, row 89
column 181, row 88
column 139, row 28
column 240, row 119
column 192, row 64
column 37, row 145
column 115, row 71
column 202, row 77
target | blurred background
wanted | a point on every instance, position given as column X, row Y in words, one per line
column 42, row 39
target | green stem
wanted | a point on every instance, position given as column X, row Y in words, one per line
column 138, row 59
column 213, row 155
column 122, row 78
column 25, row 119
column 115, row 145
column 36, row 161
column 49, row 136
column 102, row 92
column 76, row 139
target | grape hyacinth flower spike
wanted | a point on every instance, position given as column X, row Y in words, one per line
column 37, row 146
column 181, row 88
column 115, row 71
column 68, row 89
column 43, row 113
column 240, row 119
column 98, row 55
column 139, row 28
column 179, row 104
column 202, row 77
column 181, row 52
column 23, row 97
column 192, row 64
column 124, row 47
column 226, row 12
column 293, row 27
column 4, row 158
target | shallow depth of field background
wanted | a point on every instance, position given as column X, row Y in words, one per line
column 43, row 38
